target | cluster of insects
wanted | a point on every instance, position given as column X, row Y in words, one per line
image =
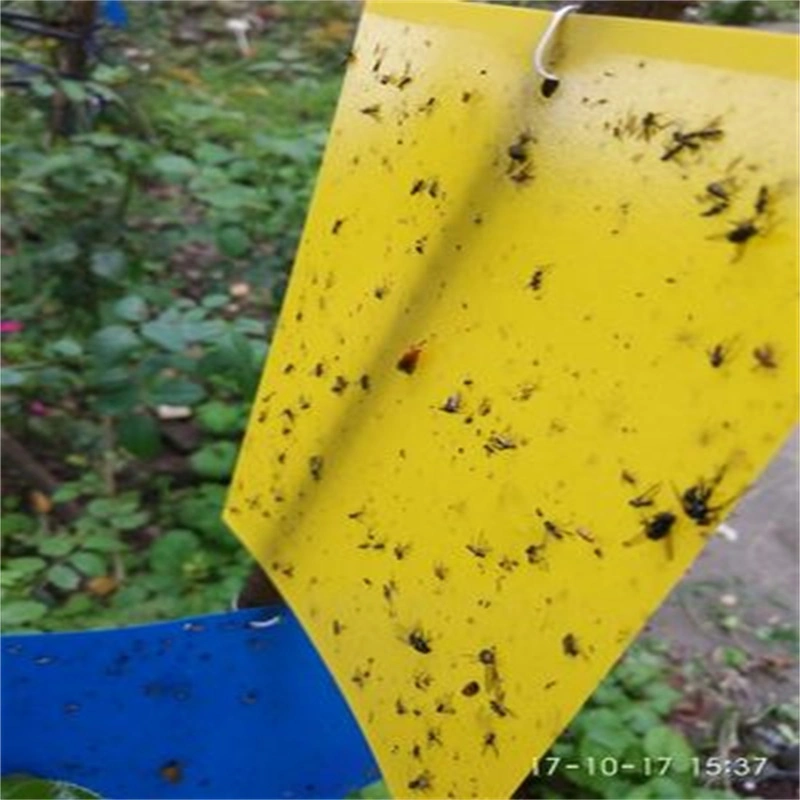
column 691, row 140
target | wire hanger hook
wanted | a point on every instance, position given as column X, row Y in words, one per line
column 551, row 81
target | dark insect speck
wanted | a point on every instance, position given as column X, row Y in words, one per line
column 570, row 645
column 337, row 226
column 419, row 642
column 471, row 689
column 548, row 87
column 659, row 525
column 743, row 232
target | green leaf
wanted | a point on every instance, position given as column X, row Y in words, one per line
column 56, row 546
column 108, row 263
column 664, row 742
column 174, row 167
column 88, row 563
column 22, row 612
column 200, row 509
column 169, row 552
column 129, row 522
column 74, row 90
column 233, row 197
column 113, row 343
column 233, row 241
column 10, row 378
column 66, row 348
column 139, row 434
column 118, row 400
column 164, row 333
column 63, row 577
column 214, row 460
column 102, row 543
column 61, row 253
column 221, row 418
column 175, row 392
column 131, row 308
column 25, row 565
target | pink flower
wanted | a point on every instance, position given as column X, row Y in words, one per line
column 10, row 326
column 38, row 409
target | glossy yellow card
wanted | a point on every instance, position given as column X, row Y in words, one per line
column 532, row 351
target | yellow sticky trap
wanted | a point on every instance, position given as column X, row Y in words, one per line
column 532, row 352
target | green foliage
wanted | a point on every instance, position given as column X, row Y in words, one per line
column 28, row 787
column 626, row 721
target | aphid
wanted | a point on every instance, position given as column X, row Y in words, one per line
column 360, row 677
column 569, row 645
column 419, row 245
column 440, row 571
column 490, row 743
column 646, row 498
column 499, row 708
column 422, row 680
column 422, row 782
column 537, row 279
column 452, row 404
column 419, row 641
column 433, row 736
column 650, row 125
column 364, row 382
column 466, row 97
column 409, row 360
column 628, row 477
column 428, row 105
column 372, row 111
column 337, row 627
column 339, row 385
column 380, row 292
column 765, row 356
column 719, row 197
column 389, row 591
column 523, row 175
column 762, row 200
column 400, row 707
column 172, row 771
column 404, row 81
column 742, row 232
column 416, row 752
column 471, row 689
column 519, row 150
column 479, row 549
column 507, row 564
column 337, row 226
column 433, row 189
column 717, row 355
column 444, row 706
column 535, row 553
column 401, row 551
column 498, row 442
column 418, row 186
column 315, row 464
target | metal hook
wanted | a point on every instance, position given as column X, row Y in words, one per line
column 551, row 81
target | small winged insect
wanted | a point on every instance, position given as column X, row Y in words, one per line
column 655, row 528
column 718, row 354
column 696, row 501
column 409, row 360
column 419, row 641
column 569, row 645
column 452, row 404
column 765, row 357
column 422, row 782
column 646, row 498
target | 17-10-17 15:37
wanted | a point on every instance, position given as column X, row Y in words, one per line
column 609, row 766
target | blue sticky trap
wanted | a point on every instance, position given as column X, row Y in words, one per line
column 197, row 708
